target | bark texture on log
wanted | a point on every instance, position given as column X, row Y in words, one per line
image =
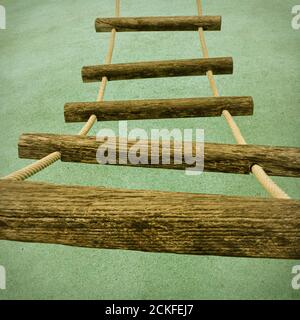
column 157, row 69
column 158, row 108
column 149, row 220
column 277, row 161
column 174, row 23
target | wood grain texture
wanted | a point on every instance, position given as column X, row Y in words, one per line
column 277, row 161
column 170, row 23
column 149, row 220
column 157, row 69
column 158, row 108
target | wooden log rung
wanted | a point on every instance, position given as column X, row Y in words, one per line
column 170, row 23
column 276, row 161
column 157, row 69
column 158, row 108
column 149, row 220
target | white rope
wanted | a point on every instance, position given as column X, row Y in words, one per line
column 257, row 170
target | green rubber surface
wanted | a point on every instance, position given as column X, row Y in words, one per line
column 41, row 54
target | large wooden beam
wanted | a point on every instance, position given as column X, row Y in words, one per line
column 158, row 108
column 277, row 161
column 171, row 23
column 157, row 69
column 149, row 220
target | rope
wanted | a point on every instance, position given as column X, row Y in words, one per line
column 34, row 167
column 92, row 120
column 45, row 162
column 270, row 186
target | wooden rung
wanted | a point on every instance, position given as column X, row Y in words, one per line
column 175, row 23
column 277, row 161
column 149, row 220
column 158, row 108
column 157, row 69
